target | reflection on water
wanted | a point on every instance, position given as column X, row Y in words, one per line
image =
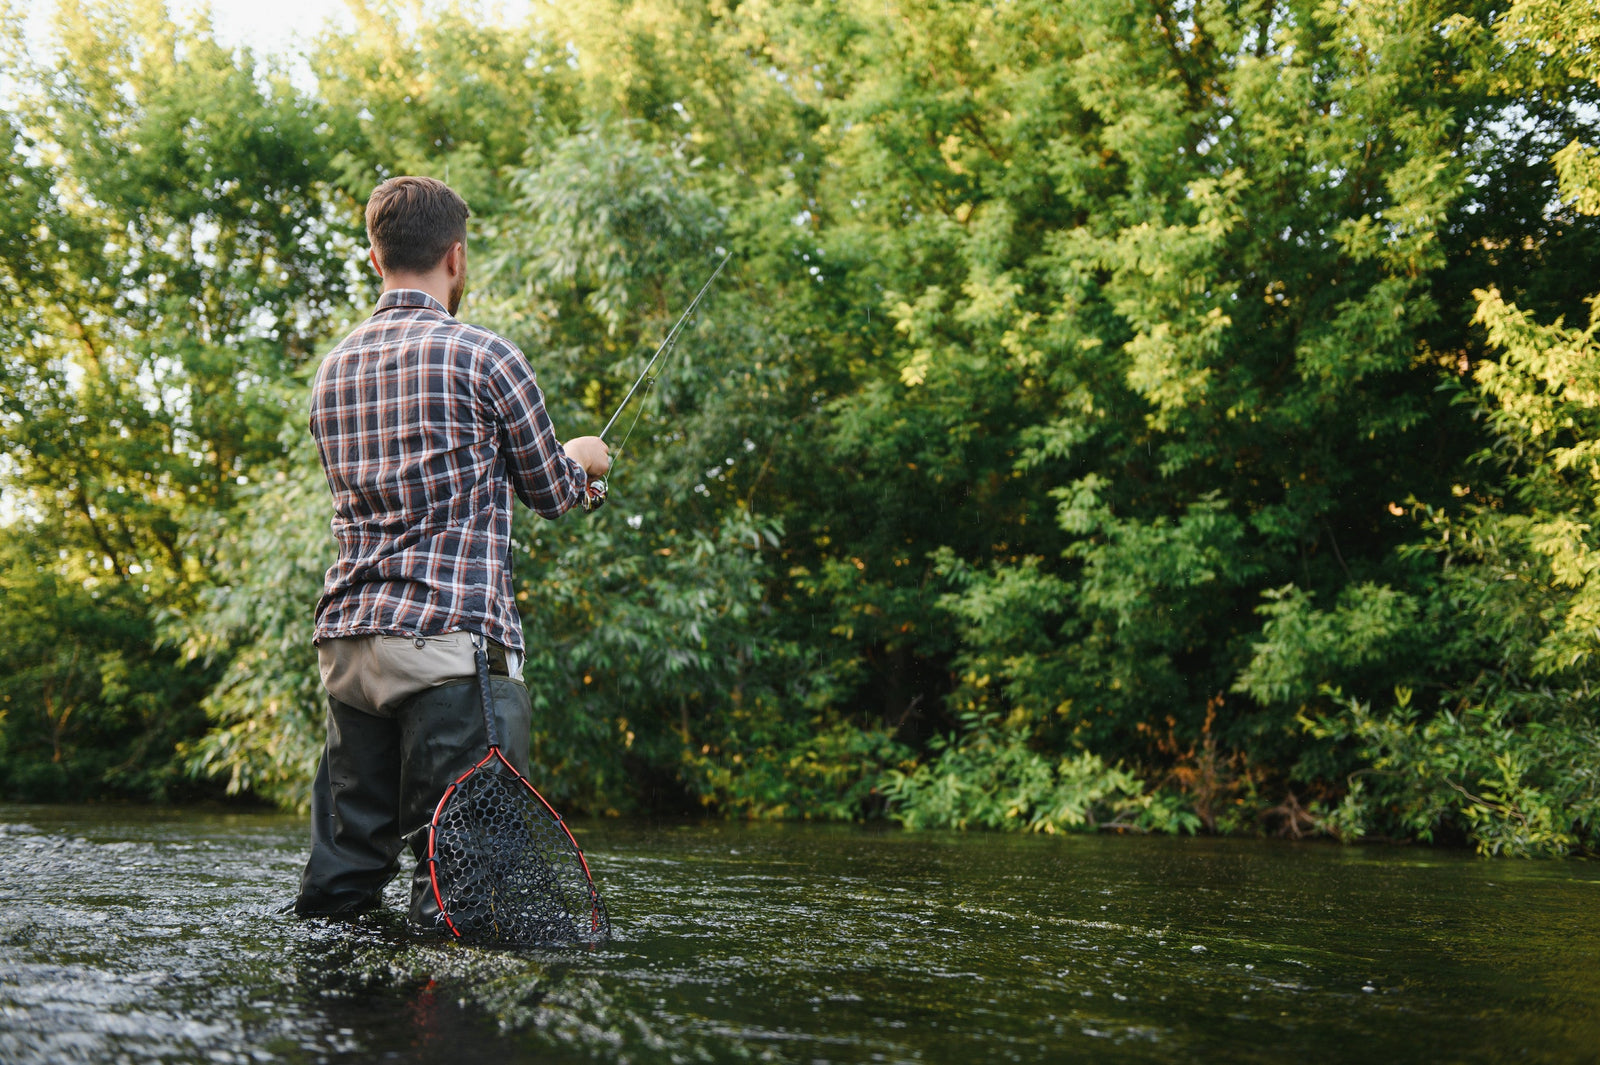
column 143, row 936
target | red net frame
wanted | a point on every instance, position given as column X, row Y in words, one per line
column 503, row 866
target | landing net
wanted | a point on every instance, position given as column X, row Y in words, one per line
column 505, row 869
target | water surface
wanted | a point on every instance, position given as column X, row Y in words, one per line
column 134, row 935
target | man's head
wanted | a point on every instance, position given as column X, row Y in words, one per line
column 418, row 226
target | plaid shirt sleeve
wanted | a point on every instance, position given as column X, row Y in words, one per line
column 543, row 475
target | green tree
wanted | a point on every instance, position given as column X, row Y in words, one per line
column 1508, row 753
column 1052, row 452
column 171, row 251
column 1168, row 296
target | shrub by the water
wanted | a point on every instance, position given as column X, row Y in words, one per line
column 1114, row 415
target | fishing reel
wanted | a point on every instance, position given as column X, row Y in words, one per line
column 594, row 494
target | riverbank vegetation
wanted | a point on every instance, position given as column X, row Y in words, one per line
column 1176, row 417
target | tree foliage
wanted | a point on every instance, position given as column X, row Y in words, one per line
column 1133, row 413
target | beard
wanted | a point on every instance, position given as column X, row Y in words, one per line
column 457, row 290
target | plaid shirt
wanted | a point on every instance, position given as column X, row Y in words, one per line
column 425, row 427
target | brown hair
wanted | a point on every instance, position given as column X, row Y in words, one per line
column 412, row 221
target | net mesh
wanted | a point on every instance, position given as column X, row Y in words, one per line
column 507, row 872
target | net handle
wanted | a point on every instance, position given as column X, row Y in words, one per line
column 480, row 655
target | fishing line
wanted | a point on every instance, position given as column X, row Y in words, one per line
column 644, row 404
column 595, row 493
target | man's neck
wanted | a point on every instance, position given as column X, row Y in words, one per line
column 436, row 284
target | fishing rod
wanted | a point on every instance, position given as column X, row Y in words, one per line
column 594, row 495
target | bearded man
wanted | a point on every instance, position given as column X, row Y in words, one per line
column 426, row 426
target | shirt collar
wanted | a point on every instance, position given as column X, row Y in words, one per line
column 408, row 297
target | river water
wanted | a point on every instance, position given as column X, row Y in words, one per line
column 132, row 935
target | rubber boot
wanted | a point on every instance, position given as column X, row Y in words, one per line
column 355, row 830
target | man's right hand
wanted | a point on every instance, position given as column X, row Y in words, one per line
column 591, row 453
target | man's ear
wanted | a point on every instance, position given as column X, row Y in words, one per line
column 372, row 257
column 455, row 260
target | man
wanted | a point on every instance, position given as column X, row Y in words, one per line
column 425, row 427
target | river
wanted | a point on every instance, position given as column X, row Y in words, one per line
column 152, row 935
